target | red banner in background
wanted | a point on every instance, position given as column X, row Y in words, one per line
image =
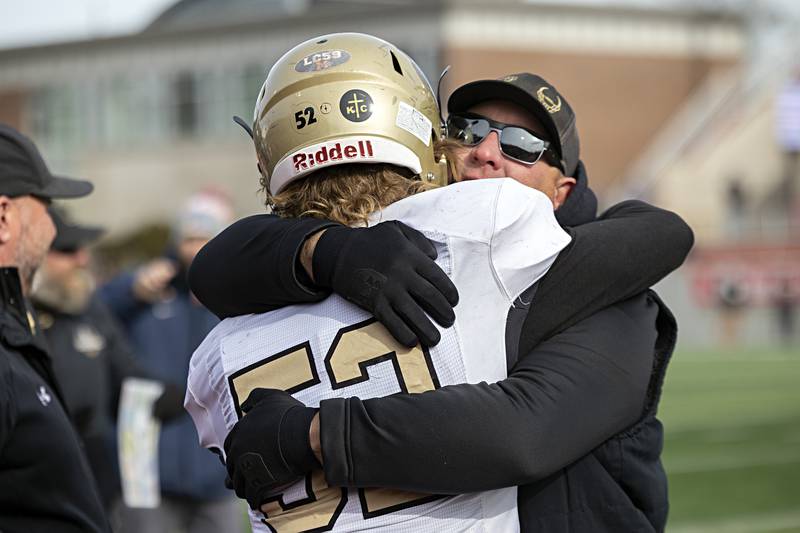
column 757, row 274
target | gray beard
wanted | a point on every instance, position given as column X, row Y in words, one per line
column 29, row 259
column 70, row 296
column 27, row 272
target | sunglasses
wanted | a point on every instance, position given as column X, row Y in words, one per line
column 516, row 143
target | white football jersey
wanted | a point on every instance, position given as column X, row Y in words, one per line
column 495, row 238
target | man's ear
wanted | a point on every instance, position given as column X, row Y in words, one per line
column 564, row 186
column 5, row 226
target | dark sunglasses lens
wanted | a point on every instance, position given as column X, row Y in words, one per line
column 521, row 145
column 469, row 131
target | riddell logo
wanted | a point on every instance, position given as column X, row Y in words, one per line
column 329, row 154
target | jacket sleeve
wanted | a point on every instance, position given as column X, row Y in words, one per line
column 560, row 401
column 7, row 400
column 252, row 266
column 118, row 296
column 631, row 246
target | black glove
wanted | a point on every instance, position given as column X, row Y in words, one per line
column 388, row 269
column 268, row 449
column 170, row 404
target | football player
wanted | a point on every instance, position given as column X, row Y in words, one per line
column 373, row 165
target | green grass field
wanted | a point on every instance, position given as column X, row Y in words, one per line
column 732, row 446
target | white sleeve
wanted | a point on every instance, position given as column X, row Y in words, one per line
column 526, row 239
column 199, row 415
column 201, row 400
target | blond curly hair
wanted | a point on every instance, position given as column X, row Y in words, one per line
column 349, row 193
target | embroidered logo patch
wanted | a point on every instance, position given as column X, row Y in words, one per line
column 44, row 396
column 552, row 106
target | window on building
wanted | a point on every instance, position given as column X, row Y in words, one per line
column 185, row 95
column 252, row 79
column 53, row 115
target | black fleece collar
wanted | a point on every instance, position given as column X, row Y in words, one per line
column 581, row 204
column 18, row 324
column 19, row 330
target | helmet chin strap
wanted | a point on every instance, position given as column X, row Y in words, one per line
column 245, row 126
column 444, row 166
column 442, row 123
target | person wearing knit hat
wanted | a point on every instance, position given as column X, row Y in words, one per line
column 165, row 323
column 202, row 215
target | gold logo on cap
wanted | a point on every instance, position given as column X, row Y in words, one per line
column 552, row 106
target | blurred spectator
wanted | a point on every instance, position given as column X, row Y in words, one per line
column 165, row 324
column 785, row 305
column 91, row 354
column 732, row 299
column 737, row 207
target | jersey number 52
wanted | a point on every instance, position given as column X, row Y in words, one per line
column 353, row 350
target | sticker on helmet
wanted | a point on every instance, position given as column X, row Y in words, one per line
column 333, row 152
column 322, row 60
column 414, row 122
column 356, row 105
column 348, row 149
column 304, row 117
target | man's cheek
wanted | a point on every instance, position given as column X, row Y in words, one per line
column 48, row 234
column 459, row 169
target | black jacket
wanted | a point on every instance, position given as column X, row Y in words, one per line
column 91, row 358
column 547, row 410
column 621, row 485
column 45, row 482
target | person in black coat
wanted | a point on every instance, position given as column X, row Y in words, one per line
column 45, row 481
column 92, row 355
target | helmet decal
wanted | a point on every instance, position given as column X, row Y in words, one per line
column 322, row 60
column 356, row 105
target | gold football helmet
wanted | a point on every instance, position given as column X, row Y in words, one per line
column 345, row 98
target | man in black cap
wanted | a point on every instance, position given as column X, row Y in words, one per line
column 45, row 481
column 92, row 356
column 524, row 121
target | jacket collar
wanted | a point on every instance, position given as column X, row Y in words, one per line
column 581, row 205
column 20, row 330
column 18, row 324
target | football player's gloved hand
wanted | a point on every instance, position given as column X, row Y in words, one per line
column 268, row 449
column 388, row 269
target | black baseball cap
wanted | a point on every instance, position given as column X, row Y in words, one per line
column 23, row 171
column 71, row 237
column 535, row 94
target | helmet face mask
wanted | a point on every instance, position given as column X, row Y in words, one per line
column 345, row 98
